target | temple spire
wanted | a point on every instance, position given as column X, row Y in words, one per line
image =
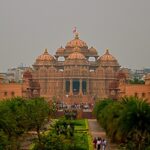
column 76, row 33
column 107, row 51
column 45, row 51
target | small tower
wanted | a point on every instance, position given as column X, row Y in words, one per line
column 26, row 89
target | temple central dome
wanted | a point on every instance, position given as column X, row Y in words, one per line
column 76, row 42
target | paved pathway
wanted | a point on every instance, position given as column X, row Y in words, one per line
column 97, row 131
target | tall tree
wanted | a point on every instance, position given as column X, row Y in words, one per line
column 135, row 121
column 38, row 113
column 13, row 121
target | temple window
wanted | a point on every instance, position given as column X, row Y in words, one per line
column 136, row 94
column 92, row 59
column 5, row 93
column 67, row 86
column 143, row 94
column 92, row 70
column 61, row 58
column 61, row 70
column 12, row 93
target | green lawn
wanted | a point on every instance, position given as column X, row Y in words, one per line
column 82, row 137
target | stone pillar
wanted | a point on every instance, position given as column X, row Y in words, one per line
column 80, row 90
column 71, row 88
column 87, row 86
column 64, row 86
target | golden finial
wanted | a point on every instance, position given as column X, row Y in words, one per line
column 107, row 50
column 45, row 50
column 76, row 35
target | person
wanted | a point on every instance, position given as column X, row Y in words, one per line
column 98, row 144
column 104, row 144
column 94, row 142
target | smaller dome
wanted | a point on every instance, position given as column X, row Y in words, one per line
column 60, row 50
column 107, row 57
column 76, row 55
column 45, row 57
column 93, row 50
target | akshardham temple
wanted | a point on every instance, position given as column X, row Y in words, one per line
column 75, row 74
column 74, row 78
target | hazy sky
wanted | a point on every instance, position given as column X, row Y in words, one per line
column 27, row 27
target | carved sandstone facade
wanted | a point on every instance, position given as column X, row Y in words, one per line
column 74, row 79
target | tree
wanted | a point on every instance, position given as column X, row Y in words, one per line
column 136, row 81
column 134, row 122
column 100, row 105
column 38, row 113
column 20, row 115
column 3, row 140
column 126, row 121
column 53, row 107
column 13, row 121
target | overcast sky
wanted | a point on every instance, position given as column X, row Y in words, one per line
column 27, row 27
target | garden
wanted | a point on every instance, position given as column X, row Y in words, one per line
column 126, row 122
column 32, row 121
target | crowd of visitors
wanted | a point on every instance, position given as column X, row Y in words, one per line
column 99, row 143
column 77, row 106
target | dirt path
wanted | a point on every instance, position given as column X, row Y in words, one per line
column 97, row 131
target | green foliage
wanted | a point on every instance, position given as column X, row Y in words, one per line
column 51, row 142
column 19, row 116
column 100, row 105
column 70, row 114
column 3, row 141
column 109, row 120
column 99, row 108
column 37, row 111
column 126, row 121
column 136, row 81
column 53, row 107
column 13, row 120
column 135, row 120
column 59, row 136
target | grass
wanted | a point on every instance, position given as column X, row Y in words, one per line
column 82, row 136
column 90, row 139
column 79, row 124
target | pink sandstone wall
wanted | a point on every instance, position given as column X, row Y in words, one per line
column 10, row 90
column 141, row 91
